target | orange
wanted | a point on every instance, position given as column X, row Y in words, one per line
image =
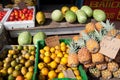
column 42, row 51
column 47, row 53
column 41, row 65
column 52, row 74
column 57, row 59
column 61, row 75
column 57, row 47
column 46, row 48
column 47, row 59
column 66, row 55
column 76, row 72
column 63, row 48
column 52, row 49
column 59, row 54
column 74, row 8
column 42, row 56
column 19, row 77
column 53, row 56
column 64, row 60
column 53, row 65
column 31, row 68
column 32, row 58
column 62, row 44
column 44, row 71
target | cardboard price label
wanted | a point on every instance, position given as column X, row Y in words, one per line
column 1, row 7
column 22, row 5
column 52, row 41
column 110, row 46
column 68, row 74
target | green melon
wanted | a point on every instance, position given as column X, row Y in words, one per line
column 24, row 38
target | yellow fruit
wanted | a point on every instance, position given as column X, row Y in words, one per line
column 47, row 59
column 57, row 59
column 46, row 48
column 42, row 51
column 53, row 56
column 61, row 75
column 65, row 55
column 53, row 65
column 41, row 65
column 31, row 69
column 44, row 71
column 57, row 47
column 74, row 68
column 27, row 55
column 52, row 74
column 40, row 17
column 47, row 53
column 56, row 51
column 32, row 58
column 74, row 8
column 59, row 54
column 64, row 60
column 29, row 75
column 52, row 49
column 76, row 72
column 78, row 77
column 64, row 9
column 62, row 44
column 42, row 56
column 63, row 48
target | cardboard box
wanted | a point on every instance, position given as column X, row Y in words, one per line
column 20, row 24
column 111, row 7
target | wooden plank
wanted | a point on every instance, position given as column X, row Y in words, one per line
column 54, row 31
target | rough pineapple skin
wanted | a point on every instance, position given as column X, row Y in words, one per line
column 116, row 74
column 90, row 27
column 101, row 66
column 73, row 60
column 84, row 56
column 113, row 66
column 97, row 58
column 106, row 74
column 92, row 45
column 95, row 72
column 90, row 65
column 107, row 59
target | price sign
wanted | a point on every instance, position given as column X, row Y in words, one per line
column 52, row 41
column 68, row 74
column 110, row 46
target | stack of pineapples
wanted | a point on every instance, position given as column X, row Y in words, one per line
column 85, row 50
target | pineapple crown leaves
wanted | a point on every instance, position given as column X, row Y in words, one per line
column 108, row 26
column 80, row 42
column 85, row 36
column 73, row 48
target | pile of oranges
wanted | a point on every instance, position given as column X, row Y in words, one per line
column 50, row 60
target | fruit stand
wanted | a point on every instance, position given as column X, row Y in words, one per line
column 64, row 40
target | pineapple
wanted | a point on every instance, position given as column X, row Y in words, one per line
column 106, row 74
column 110, row 28
column 101, row 66
column 91, row 44
column 90, row 65
column 116, row 74
column 107, row 59
column 90, row 27
column 98, row 26
column 97, row 58
column 113, row 66
column 95, row 72
column 84, row 56
column 72, row 57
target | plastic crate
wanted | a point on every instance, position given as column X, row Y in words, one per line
column 20, row 24
column 40, row 45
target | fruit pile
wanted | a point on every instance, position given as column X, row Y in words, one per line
column 86, row 50
column 19, row 63
column 2, row 14
column 53, row 60
column 74, row 14
column 21, row 14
